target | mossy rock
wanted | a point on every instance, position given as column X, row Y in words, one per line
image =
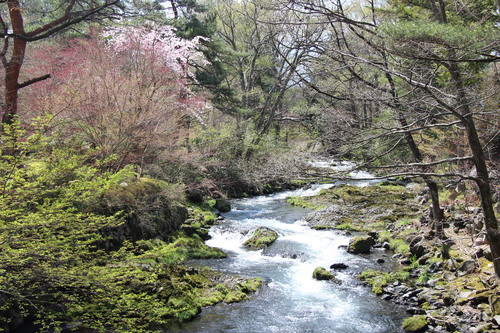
column 367, row 208
column 250, row 285
column 361, row 244
column 262, row 237
column 378, row 280
column 235, row 296
column 415, row 323
column 222, row 205
column 303, row 202
column 320, row 273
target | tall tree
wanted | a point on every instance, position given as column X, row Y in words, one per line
column 436, row 52
column 361, row 88
column 17, row 31
column 458, row 42
column 267, row 48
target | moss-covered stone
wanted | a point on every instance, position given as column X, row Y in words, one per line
column 235, row 296
column 415, row 323
column 320, row 273
column 222, row 205
column 250, row 285
column 360, row 244
column 378, row 280
column 303, row 202
column 262, row 237
column 361, row 208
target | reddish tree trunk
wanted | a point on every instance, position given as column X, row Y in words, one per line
column 13, row 67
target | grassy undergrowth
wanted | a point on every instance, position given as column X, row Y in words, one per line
column 69, row 253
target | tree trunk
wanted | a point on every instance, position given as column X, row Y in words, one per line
column 483, row 182
column 437, row 212
column 479, row 159
column 13, row 67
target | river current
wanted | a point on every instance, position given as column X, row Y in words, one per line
column 291, row 300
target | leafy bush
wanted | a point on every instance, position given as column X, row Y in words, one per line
column 53, row 269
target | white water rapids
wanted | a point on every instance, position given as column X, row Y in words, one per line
column 291, row 300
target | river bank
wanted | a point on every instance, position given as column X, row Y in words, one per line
column 152, row 263
column 445, row 286
column 291, row 299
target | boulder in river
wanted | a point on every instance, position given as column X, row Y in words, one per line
column 261, row 238
column 222, row 205
column 339, row 265
column 320, row 273
column 361, row 244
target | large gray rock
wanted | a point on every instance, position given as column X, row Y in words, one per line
column 467, row 267
column 361, row 244
column 418, row 249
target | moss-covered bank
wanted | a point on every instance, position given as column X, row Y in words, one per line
column 447, row 285
column 104, row 252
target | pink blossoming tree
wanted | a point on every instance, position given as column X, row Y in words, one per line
column 128, row 93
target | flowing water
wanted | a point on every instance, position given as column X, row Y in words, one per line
column 291, row 300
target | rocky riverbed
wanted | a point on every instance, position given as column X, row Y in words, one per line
column 446, row 285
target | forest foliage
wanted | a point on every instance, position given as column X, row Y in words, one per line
column 113, row 109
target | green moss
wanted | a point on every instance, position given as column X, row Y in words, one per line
column 384, row 236
column 347, row 227
column 180, row 248
column 415, row 323
column 222, row 288
column 261, row 238
column 399, row 246
column 235, row 296
column 212, row 298
column 423, row 278
column 304, row 202
column 202, row 214
column 250, row 285
column 404, row 222
column 426, row 306
column 323, row 227
column 360, row 244
column 320, row 273
column 210, row 202
column 378, row 280
column 366, row 208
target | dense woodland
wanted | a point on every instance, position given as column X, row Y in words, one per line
column 115, row 110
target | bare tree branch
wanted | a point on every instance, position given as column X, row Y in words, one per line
column 34, row 80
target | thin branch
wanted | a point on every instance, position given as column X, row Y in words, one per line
column 409, row 165
column 48, row 26
column 395, row 175
column 35, row 80
column 405, row 130
column 65, row 21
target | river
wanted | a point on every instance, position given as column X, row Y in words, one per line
column 291, row 300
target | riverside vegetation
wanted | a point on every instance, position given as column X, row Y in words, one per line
column 83, row 248
column 86, row 248
column 447, row 285
column 125, row 123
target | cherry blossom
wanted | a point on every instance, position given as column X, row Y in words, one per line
column 161, row 43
